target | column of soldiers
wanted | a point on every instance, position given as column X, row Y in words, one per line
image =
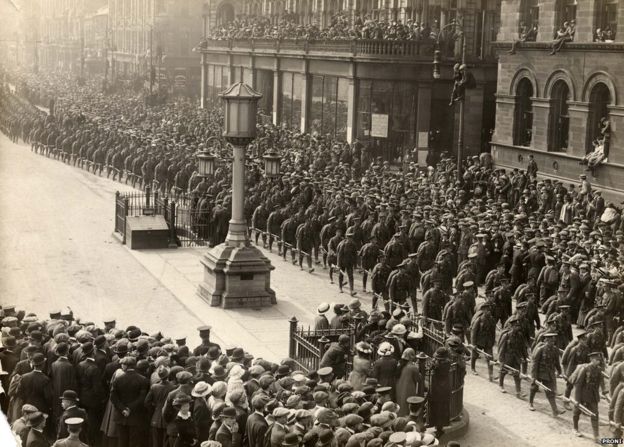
column 548, row 247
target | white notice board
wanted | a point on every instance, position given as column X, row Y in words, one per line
column 379, row 125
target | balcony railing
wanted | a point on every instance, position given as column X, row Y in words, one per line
column 363, row 48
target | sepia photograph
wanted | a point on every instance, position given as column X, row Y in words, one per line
column 311, row 223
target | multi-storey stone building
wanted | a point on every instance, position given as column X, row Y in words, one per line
column 550, row 105
column 380, row 92
column 157, row 33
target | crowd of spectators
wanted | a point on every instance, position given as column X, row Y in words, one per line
column 547, row 255
column 342, row 27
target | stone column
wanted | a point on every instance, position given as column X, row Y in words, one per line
column 252, row 67
column 237, row 232
column 277, row 95
column 541, row 119
column 616, row 117
column 352, row 106
column 586, row 12
column 505, row 117
column 619, row 37
column 202, row 98
column 306, row 92
column 547, row 25
column 423, row 121
column 577, row 137
column 473, row 119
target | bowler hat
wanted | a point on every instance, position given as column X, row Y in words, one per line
column 70, row 395
column 228, row 412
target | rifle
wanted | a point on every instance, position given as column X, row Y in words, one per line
column 489, row 357
column 581, row 407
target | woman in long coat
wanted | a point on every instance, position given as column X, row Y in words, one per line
column 410, row 380
column 440, row 391
column 361, row 365
column 384, row 369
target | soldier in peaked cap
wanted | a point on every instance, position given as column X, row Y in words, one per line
column 74, row 428
column 398, row 286
column 379, row 281
column 206, row 344
column 588, row 384
column 368, row 254
column 545, row 367
column 346, row 260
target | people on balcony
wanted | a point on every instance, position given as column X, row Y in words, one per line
column 340, row 28
column 604, row 35
column 526, row 34
column 563, row 35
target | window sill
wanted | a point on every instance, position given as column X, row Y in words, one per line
column 558, row 154
column 569, row 46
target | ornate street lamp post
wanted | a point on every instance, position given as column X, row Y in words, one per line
column 236, row 273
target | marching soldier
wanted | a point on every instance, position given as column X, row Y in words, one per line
column 434, row 301
column 346, row 260
column 368, row 254
column 483, row 337
column 587, row 392
column 379, row 281
column 327, row 232
column 512, row 347
column 545, row 367
column 398, row 286
column 332, row 252
column 575, row 354
column 305, row 243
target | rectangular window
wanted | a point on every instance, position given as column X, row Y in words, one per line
column 316, row 105
column 264, row 84
column 363, row 114
column 287, row 97
column 342, row 105
column 330, row 85
column 297, row 98
column 248, row 77
column 225, row 78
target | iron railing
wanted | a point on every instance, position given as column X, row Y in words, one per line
column 308, row 346
column 188, row 225
column 351, row 47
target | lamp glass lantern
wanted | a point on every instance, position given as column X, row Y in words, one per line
column 206, row 163
column 437, row 58
column 241, row 104
column 272, row 164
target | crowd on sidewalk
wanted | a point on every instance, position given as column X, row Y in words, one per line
column 547, row 255
column 78, row 383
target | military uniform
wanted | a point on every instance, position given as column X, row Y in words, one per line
column 545, row 366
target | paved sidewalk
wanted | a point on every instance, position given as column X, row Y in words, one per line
column 263, row 331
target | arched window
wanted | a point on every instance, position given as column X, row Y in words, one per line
column 559, row 118
column 599, row 100
column 529, row 13
column 523, row 121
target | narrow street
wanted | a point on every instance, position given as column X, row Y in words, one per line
column 57, row 250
